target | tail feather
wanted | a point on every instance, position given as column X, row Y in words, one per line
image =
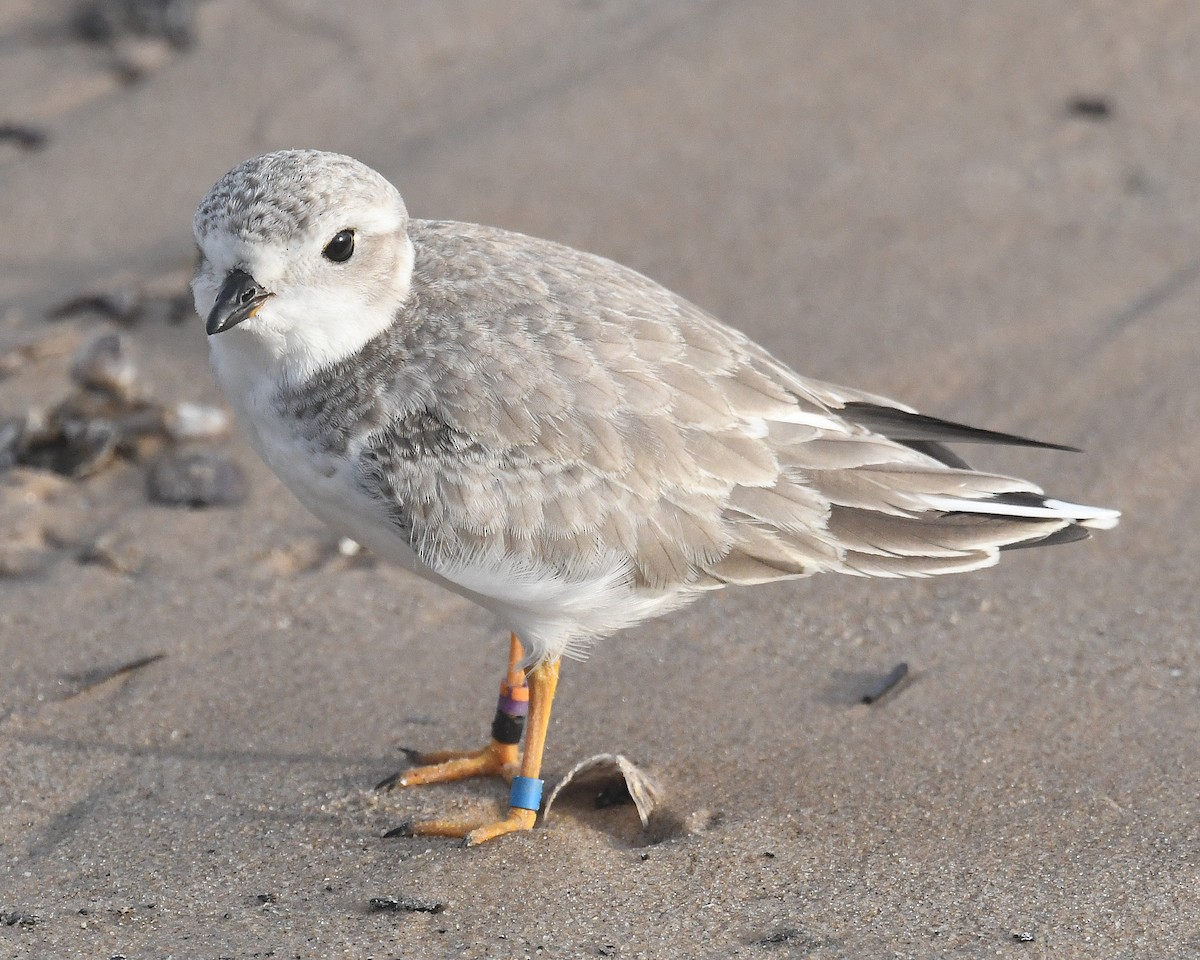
column 1030, row 506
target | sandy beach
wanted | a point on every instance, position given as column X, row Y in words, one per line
column 988, row 211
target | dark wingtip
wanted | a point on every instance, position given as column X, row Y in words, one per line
column 1068, row 534
column 919, row 427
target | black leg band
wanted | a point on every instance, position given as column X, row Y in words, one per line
column 506, row 728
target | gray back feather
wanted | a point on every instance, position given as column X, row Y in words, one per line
column 573, row 413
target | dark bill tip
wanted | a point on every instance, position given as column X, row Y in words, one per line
column 238, row 299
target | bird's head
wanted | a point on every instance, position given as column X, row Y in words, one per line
column 304, row 257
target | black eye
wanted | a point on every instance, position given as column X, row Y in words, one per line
column 341, row 247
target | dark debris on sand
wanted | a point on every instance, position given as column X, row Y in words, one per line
column 405, row 905
column 107, row 416
column 106, row 21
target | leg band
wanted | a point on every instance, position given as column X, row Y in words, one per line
column 506, row 728
column 512, row 705
column 511, row 710
column 526, row 793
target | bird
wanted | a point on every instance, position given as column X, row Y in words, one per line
column 557, row 437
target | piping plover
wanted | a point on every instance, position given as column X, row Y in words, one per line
column 555, row 436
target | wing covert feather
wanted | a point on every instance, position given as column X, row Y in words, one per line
column 597, row 420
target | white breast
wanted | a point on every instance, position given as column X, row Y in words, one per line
column 553, row 614
column 322, row 481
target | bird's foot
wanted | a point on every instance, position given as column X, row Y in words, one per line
column 519, row 696
column 443, row 766
column 473, row 833
column 524, row 799
column 500, row 758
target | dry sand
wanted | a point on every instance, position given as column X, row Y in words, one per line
column 896, row 196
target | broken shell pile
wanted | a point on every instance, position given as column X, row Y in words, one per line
column 107, row 417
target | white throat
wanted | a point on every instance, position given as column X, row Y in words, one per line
column 298, row 333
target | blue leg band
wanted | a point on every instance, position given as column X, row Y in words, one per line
column 526, row 793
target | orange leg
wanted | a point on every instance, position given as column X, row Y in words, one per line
column 526, row 793
column 500, row 758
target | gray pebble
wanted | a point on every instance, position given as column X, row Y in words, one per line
column 104, row 364
column 11, row 432
column 123, row 304
column 77, row 449
column 197, row 480
column 105, row 21
column 115, row 553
